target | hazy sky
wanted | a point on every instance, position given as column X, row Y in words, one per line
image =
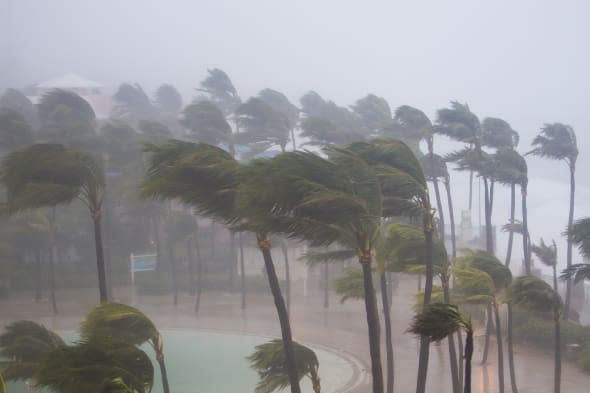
column 526, row 61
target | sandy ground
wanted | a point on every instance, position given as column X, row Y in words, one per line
column 341, row 328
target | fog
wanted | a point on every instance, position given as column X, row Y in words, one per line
column 526, row 62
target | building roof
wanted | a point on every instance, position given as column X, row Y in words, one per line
column 69, row 81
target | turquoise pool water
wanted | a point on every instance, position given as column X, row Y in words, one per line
column 207, row 362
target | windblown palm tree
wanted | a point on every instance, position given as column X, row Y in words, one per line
column 547, row 254
column 168, row 99
column 268, row 360
column 43, row 175
column 374, row 113
column 219, row 89
column 279, row 102
column 133, row 104
column 15, row 132
column 207, row 124
column 17, row 101
column 579, row 233
column 558, row 142
column 534, row 294
column 207, row 178
column 440, row 320
column 126, row 324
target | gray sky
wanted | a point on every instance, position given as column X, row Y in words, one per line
column 525, row 61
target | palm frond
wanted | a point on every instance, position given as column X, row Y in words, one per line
column 579, row 234
column 313, row 257
column 350, row 285
column 437, row 321
column 533, row 294
column 546, row 253
column 577, row 271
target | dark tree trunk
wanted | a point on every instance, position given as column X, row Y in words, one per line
column 242, row 272
column 160, row 264
column 273, row 281
column 452, row 219
column 461, row 359
column 451, row 342
column 388, row 334
column 511, row 233
column 488, row 217
column 102, row 284
column 190, row 263
column 525, row 233
column 38, row 275
column 285, row 251
column 470, row 190
column 326, row 285
column 372, row 323
column 557, row 377
column 511, row 351
column 441, row 215
column 570, row 221
column 468, row 356
column 424, row 341
column 489, row 325
column 200, row 272
column 500, row 349
column 233, row 261
column 555, row 277
column 164, row 373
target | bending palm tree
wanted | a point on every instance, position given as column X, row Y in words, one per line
column 534, row 294
column 125, row 324
column 440, row 320
column 268, row 360
column 48, row 175
column 207, row 178
column 558, row 142
column 547, row 254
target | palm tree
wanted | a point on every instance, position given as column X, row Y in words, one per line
column 547, row 254
column 207, row 178
column 579, row 233
column 24, row 345
column 168, row 99
column 440, row 320
column 133, row 104
column 17, row 101
column 125, row 324
column 501, row 278
column 268, row 360
column 15, row 132
column 558, row 142
column 43, row 175
column 435, row 168
column 374, row 113
column 207, row 124
column 534, row 294
column 279, row 102
column 261, row 126
column 219, row 89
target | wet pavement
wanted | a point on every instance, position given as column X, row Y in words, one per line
column 340, row 328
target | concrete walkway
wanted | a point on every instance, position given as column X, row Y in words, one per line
column 341, row 327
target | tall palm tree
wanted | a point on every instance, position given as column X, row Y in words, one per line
column 374, row 113
column 126, row 324
column 15, row 132
column 558, row 142
column 17, row 101
column 435, row 168
column 534, row 294
column 279, row 102
column 218, row 88
column 440, row 320
column 206, row 123
column 268, row 360
column 133, row 104
column 208, row 178
column 43, row 175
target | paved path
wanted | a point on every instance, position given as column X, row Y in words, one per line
column 341, row 327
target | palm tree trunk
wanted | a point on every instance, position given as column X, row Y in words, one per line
column 461, row 359
column 102, row 284
column 557, row 376
column 172, row 262
column 500, row 349
column 233, row 261
column 441, row 216
column 489, row 325
column 488, row 217
column 424, row 341
column 525, row 232
column 242, row 272
column 287, row 274
column 451, row 342
column 570, row 221
column 372, row 323
column 38, row 275
column 273, row 281
column 164, row 373
column 190, row 263
column 447, row 184
column 555, row 277
column 470, row 189
column 511, row 232
column 326, row 285
column 159, row 265
column 200, row 272
column 511, row 351
column 388, row 336
column 468, row 356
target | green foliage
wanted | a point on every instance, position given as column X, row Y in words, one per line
column 438, row 320
column 314, row 257
column 15, row 132
column 458, row 123
column 579, row 234
column 280, row 103
column 474, row 285
column 168, row 99
column 133, row 104
column 219, row 89
column 350, row 285
column 577, row 271
column 547, row 254
column 17, row 101
column 532, row 293
column 497, row 133
column 510, row 167
column 488, row 263
column 434, row 167
column 374, row 112
column 206, row 123
column 268, row 360
column 261, row 126
column 557, row 142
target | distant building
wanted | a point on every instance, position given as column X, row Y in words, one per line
column 89, row 90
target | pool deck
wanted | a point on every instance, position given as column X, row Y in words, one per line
column 340, row 328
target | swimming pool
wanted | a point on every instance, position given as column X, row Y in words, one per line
column 212, row 362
